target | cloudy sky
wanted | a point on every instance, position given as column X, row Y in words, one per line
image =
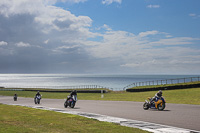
column 100, row 36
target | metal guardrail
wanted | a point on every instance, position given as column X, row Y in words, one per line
column 11, row 89
column 163, row 82
column 57, row 87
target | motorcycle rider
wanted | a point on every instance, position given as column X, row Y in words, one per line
column 15, row 97
column 157, row 95
column 37, row 94
column 73, row 93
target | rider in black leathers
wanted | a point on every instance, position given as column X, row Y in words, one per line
column 15, row 97
column 37, row 94
column 73, row 93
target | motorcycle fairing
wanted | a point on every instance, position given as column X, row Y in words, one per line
column 159, row 101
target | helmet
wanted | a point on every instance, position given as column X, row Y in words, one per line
column 160, row 92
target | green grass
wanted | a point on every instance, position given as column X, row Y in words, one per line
column 27, row 120
column 181, row 96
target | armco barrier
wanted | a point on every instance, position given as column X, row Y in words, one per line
column 164, row 88
column 78, row 91
column 65, row 91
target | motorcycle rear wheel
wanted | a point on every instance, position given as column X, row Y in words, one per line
column 65, row 105
column 145, row 106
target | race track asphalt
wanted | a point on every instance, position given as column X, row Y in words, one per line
column 176, row 115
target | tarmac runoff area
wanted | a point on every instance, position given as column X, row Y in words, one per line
column 158, row 127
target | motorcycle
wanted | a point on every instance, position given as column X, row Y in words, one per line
column 70, row 101
column 159, row 103
column 37, row 99
column 15, row 97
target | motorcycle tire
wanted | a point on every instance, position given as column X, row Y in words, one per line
column 145, row 106
column 72, row 105
column 161, row 107
column 65, row 105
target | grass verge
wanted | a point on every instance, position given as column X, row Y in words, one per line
column 28, row 120
column 182, row 96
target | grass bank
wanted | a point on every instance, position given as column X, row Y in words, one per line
column 181, row 96
column 30, row 120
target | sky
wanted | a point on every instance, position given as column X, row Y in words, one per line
column 100, row 36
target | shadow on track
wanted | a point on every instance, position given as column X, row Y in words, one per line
column 159, row 110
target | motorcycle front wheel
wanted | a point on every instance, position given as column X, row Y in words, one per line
column 15, row 99
column 38, row 102
column 161, row 106
column 145, row 106
column 72, row 104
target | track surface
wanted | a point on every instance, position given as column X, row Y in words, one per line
column 177, row 115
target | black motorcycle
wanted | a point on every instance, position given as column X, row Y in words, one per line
column 70, row 101
column 37, row 99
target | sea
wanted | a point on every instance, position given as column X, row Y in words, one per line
column 67, row 81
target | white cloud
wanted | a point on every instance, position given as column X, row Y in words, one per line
column 60, row 19
column 74, row 1
column 105, row 26
column 53, row 18
column 12, row 7
column 175, row 41
column 194, row 15
column 66, row 49
column 153, row 6
column 147, row 33
column 3, row 43
column 46, row 42
column 143, row 53
column 108, row 2
column 22, row 44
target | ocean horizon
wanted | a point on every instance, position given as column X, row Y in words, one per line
column 62, row 81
